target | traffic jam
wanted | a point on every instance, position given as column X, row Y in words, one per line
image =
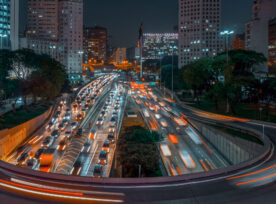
column 43, row 151
column 97, row 157
column 182, row 150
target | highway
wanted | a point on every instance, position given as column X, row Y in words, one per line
column 66, row 140
column 186, row 151
column 255, row 184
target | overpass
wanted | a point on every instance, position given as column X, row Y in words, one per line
column 249, row 182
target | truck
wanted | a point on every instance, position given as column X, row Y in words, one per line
column 46, row 160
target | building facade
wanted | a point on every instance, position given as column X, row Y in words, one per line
column 119, row 56
column 9, row 24
column 158, row 45
column 238, row 42
column 272, row 47
column 256, row 30
column 199, row 30
column 55, row 27
column 95, row 43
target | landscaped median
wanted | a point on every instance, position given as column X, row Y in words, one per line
column 137, row 152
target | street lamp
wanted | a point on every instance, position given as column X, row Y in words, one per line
column 2, row 36
column 227, row 33
column 172, row 47
column 161, row 57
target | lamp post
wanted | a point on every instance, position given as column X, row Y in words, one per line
column 2, row 36
column 172, row 47
column 227, row 33
column 161, row 57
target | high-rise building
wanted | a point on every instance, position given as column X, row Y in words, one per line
column 9, row 24
column 119, row 56
column 70, row 29
column 55, row 27
column 199, row 30
column 238, row 42
column 272, row 47
column 95, row 42
column 256, row 34
column 157, row 45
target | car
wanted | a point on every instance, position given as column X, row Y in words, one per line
column 55, row 134
column 105, row 108
column 83, row 110
column 32, row 163
column 164, row 122
column 86, row 148
column 100, row 121
column 68, row 133
column 68, row 110
column 111, row 137
column 75, row 108
column 74, row 125
column 58, row 113
column 114, row 114
column 93, row 133
column 146, row 113
column 102, row 157
column 63, row 144
column 79, row 117
column 112, row 122
column 103, row 114
column 77, row 167
column 88, row 102
column 106, row 145
column 97, row 173
column 112, row 129
column 47, row 142
column 50, row 126
column 86, row 106
column 67, row 116
column 61, row 126
column 22, row 158
column 79, row 132
column 38, row 153
column 157, row 116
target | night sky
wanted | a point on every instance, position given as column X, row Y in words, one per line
column 122, row 17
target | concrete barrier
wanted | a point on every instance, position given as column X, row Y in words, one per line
column 12, row 138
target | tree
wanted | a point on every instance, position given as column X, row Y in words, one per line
column 198, row 76
column 138, row 147
column 217, row 93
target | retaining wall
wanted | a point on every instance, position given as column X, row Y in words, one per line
column 12, row 138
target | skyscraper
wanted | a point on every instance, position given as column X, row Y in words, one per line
column 55, row 27
column 9, row 26
column 272, row 47
column 238, row 42
column 95, row 41
column 71, row 34
column 199, row 29
column 256, row 34
column 158, row 45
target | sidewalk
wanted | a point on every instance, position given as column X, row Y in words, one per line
column 8, row 105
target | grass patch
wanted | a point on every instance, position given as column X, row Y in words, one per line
column 249, row 111
column 10, row 119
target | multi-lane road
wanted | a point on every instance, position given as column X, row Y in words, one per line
column 183, row 151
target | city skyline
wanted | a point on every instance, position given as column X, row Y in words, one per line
column 118, row 16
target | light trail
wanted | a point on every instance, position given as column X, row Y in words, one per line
column 22, row 188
